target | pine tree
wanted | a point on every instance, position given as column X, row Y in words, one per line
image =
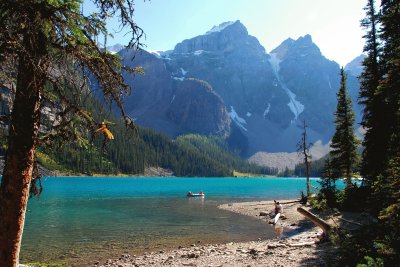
column 390, row 84
column 389, row 89
column 344, row 142
column 328, row 177
column 371, row 96
column 387, row 187
column 328, row 183
column 48, row 47
column 303, row 148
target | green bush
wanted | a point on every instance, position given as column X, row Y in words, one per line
column 371, row 262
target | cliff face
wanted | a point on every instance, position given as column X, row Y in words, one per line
column 195, row 108
column 172, row 104
column 311, row 82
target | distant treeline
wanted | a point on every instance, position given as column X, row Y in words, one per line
column 188, row 155
column 128, row 153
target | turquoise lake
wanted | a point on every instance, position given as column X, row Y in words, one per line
column 83, row 219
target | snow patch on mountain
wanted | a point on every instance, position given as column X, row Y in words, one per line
column 220, row 27
column 198, row 52
column 161, row 54
column 178, row 78
column 329, row 82
column 295, row 106
column 266, row 111
column 183, row 72
column 238, row 120
column 114, row 49
column 156, row 53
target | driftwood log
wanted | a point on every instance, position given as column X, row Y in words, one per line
column 290, row 202
column 317, row 221
column 351, row 222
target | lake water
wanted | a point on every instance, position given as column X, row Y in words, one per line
column 84, row 219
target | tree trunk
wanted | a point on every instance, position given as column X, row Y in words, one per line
column 23, row 133
column 307, row 171
column 317, row 221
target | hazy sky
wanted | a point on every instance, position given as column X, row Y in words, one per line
column 333, row 24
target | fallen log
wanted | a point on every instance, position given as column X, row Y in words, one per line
column 262, row 204
column 290, row 202
column 317, row 221
column 351, row 222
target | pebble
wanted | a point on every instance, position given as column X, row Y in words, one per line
column 192, row 256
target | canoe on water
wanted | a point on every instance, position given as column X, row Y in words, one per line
column 190, row 194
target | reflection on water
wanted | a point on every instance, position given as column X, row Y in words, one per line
column 278, row 230
column 82, row 230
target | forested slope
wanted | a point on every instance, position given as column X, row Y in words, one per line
column 130, row 153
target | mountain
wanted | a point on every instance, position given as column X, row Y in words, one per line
column 353, row 71
column 172, row 104
column 224, row 83
column 146, row 152
column 355, row 66
column 115, row 48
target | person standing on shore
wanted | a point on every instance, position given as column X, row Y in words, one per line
column 278, row 208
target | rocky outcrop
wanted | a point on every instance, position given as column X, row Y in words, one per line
column 203, row 114
column 171, row 103
column 355, row 67
column 311, row 82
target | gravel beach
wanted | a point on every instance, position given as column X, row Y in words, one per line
column 298, row 246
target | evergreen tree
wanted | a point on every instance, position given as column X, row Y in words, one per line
column 49, row 48
column 390, row 84
column 344, row 142
column 387, row 187
column 328, row 183
column 328, row 177
column 390, row 214
column 371, row 96
column 380, row 95
column 389, row 89
column 303, row 148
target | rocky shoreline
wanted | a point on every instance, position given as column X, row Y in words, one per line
column 299, row 245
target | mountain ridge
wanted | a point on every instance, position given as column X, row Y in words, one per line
column 265, row 95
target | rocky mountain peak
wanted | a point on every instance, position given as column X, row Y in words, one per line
column 115, row 48
column 302, row 47
column 283, row 48
column 355, row 67
column 222, row 38
column 232, row 27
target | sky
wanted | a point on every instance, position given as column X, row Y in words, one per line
column 333, row 24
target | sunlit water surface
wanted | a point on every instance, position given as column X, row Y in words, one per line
column 81, row 220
